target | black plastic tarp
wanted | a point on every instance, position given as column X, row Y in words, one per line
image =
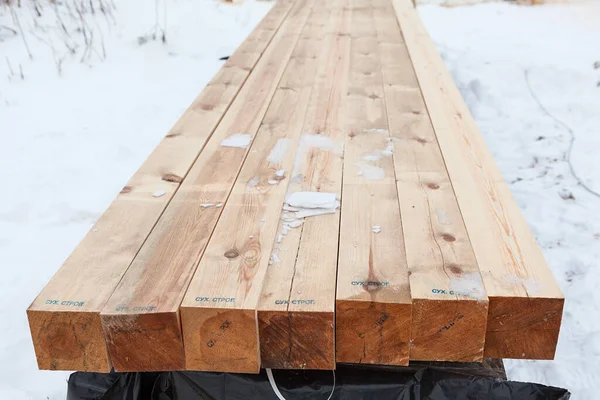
column 350, row 383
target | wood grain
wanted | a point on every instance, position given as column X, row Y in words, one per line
column 74, row 297
column 148, row 297
column 373, row 302
column 236, row 259
column 450, row 305
column 297, row 306
column 525, row 301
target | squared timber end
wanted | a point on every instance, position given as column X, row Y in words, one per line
column 220, row 340
column 448, row 330
column 523, row 327
column 297, row 340
column 144, row 342
column 68, row 340
column 372, row 333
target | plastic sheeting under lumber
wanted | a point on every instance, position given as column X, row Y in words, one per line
column 352, row 382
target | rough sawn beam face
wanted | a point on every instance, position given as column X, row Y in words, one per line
column 72, row 300
column 373, row 305
column 298, row 297
column 450, row 305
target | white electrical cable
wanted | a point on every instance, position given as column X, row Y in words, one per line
column 278, row 393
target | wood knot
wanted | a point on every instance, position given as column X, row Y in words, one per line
column 207, row 107
column 172, row 178
column 416, row 112
column 433, row 186
column 172, row 135
column 455, row 269
column 421, row 140
column 448, row 238
column 233, row 253
column 126, row 189
column 373, row 96
column 351, row 134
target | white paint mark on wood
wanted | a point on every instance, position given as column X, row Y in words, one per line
column 376, row 229
column 159, row 193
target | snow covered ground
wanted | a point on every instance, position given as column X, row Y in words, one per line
column 70, row 141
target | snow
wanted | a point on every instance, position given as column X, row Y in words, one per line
column 279, row 150
column 314, row 141
column 469, row 284
column 71, row 142
column 241, row 140
column 311, row 200
column 368, row 171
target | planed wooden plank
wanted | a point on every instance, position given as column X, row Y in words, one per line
column 65, row 317
column 297, row 307
column 525, row 302
column 141, row 320
column 240, row 248
column 450, row 305
column 373, row 302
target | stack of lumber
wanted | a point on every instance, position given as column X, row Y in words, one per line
column 327, row 198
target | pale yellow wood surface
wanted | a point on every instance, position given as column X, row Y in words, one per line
column 143, row 312
column 373, row 302
column 237, row 258
column 296, row 309
column 64, row 318
column 525, row 300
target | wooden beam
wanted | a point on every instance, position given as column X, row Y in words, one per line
column 224, row 336
column 297, row 307
column 65, row 317
column 449, row 301
column 141, row 320
column 373, row 302
column 525, row 306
